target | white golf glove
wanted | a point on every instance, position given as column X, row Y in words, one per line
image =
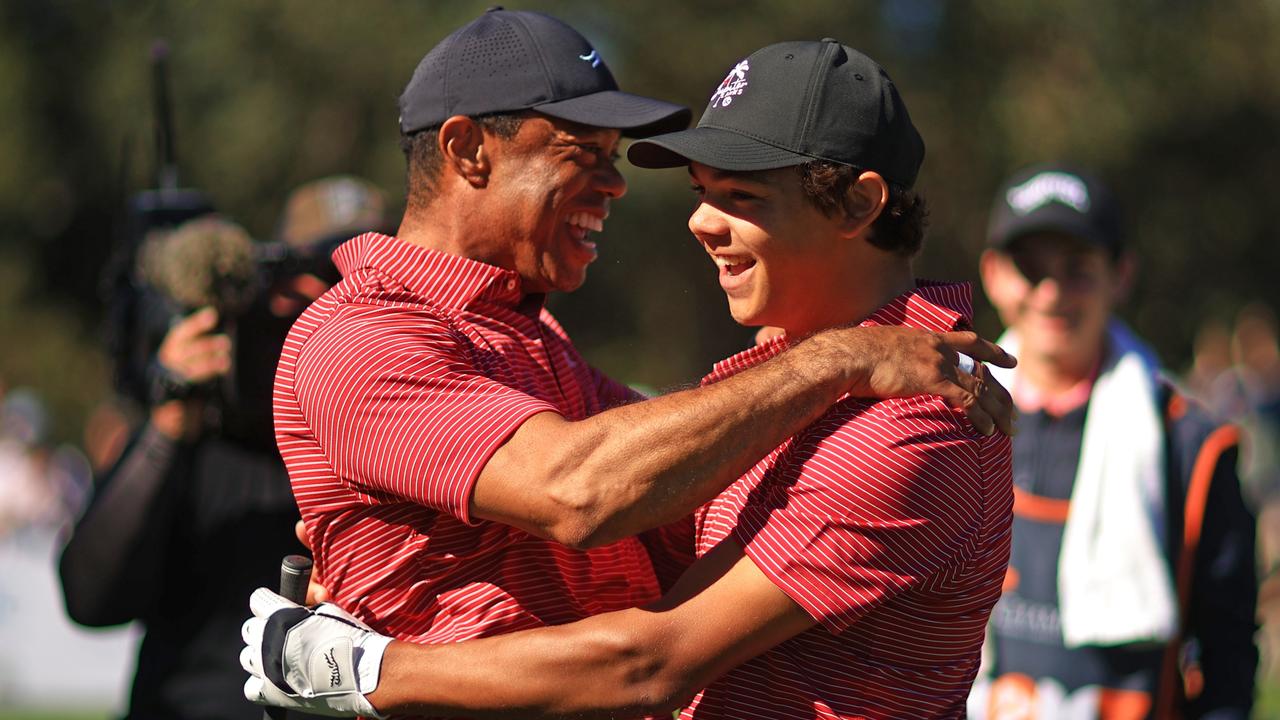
column 321, row 661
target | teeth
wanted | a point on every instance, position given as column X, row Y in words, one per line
column 725, row 262
column 586, row 221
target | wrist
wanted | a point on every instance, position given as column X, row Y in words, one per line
column 384, row 693
column 839, row 359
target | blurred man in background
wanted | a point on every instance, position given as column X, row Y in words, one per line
column 198, row 510
column 1131, row 587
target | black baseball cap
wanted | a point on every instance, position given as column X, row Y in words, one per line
column 793, row 102
column 1055, row 199
column 509, row 60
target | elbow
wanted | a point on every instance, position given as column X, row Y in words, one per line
column 586, row 523
column 582, row 515
column 84, row 611
column 577, row 530
column 84, row 601
column 647, row 675
column 662, row 696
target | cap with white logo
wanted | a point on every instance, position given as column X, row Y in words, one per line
column 1055, row 199
column 793, row 102
column 508, row 60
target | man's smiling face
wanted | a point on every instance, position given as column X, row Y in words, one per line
column 555, row 179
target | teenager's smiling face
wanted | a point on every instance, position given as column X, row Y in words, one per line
column 773, row 248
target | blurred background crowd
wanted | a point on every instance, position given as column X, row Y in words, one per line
column 1176, row 103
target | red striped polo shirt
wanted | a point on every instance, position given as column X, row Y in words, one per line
column 889, row 523
column 393, row 391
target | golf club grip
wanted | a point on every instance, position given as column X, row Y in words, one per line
column 295, row 575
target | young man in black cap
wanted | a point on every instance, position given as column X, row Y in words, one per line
column 1131, row 586
column 847, row 574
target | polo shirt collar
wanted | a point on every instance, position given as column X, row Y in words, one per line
column 448, row 280
column 935, row 306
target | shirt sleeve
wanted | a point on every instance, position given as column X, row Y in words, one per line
column 405, row 407
column 113, row 564
column 865, row 505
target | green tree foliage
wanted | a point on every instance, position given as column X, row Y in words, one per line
column 1176, row 102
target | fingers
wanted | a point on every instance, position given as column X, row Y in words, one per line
column 193, row 354
column 253, row 690
column 981, row 350
column 263, row 602
column 249, row 661
column 300, row 532
column 997, row 402
column 984, row 401
column 251, row 630
column 969, row 392
column 316, row 592
column 197, row 323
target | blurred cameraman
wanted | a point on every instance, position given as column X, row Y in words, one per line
column 198, row 511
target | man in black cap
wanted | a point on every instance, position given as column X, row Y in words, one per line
column 849, row 573
column 1131, row 587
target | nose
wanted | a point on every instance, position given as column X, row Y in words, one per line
column 1048, row 290
column 709, row 225
column 611, row 182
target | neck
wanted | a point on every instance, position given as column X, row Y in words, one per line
column 1052, row 375
column 448, row 232
column 856, row 295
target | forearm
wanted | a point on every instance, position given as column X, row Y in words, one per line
column 593, row 668
column 643, row 465
column 108, row 561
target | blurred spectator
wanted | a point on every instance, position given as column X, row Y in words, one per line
column 1256, row 351
column 198, row 509
column 1131, row 586
column 1212, row 378
column 41, row 491
column 27, row 499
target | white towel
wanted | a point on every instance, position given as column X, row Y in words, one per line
column 1114, row 586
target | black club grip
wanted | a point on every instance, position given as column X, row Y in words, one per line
column 295, row 575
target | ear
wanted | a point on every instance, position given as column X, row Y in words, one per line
column 867, row 198
column 462, row 145
column 1002, row 282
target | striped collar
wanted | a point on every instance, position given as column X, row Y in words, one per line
column 448, row 280
column 935, row 306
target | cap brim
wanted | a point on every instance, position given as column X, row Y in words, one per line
column 634, row 115
column 715, row 147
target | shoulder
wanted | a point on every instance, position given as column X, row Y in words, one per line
column 899, row 451
column 922, row 425
column 355, row 342
column 1192, row 430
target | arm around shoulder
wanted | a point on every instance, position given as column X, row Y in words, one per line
column 629, row 469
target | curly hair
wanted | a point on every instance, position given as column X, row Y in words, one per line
column 422, row 152
column 901, row 225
